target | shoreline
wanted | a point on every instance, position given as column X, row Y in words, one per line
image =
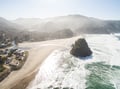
column 21, row 78
column 38, row 52
column 23, row 83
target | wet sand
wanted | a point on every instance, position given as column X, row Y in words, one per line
column 38, row 52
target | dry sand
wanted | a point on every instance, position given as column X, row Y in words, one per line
column 38, row 51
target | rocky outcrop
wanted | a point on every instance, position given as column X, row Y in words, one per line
column 80, row 48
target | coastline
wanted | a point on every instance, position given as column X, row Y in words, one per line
column 38, row 52
column 23, row 83
column 21, row 78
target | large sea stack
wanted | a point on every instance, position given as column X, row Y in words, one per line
column 80, row 48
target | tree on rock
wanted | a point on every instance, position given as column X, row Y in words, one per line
column 80, row 48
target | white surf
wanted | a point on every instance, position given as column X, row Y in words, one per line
column 63, row 71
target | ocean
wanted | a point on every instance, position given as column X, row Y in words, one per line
column 101, row 70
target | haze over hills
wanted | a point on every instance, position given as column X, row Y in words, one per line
column 9, row 25
column 37, row 29
column 77, row 23
column 10, row 29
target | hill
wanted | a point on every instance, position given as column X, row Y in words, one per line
column 77, row 23
column 36, row 29
column 10, row 29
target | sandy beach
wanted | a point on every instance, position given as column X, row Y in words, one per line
column 38, row 52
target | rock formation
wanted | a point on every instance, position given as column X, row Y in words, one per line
column 80, row 48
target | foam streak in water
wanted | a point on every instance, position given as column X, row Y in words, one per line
column 62, row 70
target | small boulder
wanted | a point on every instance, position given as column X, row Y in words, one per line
column 80, row 48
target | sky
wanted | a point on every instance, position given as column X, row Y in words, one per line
column 102, row 9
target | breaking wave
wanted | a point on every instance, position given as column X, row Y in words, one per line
column 99, row 71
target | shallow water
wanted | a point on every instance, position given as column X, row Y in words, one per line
column 100, row 71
